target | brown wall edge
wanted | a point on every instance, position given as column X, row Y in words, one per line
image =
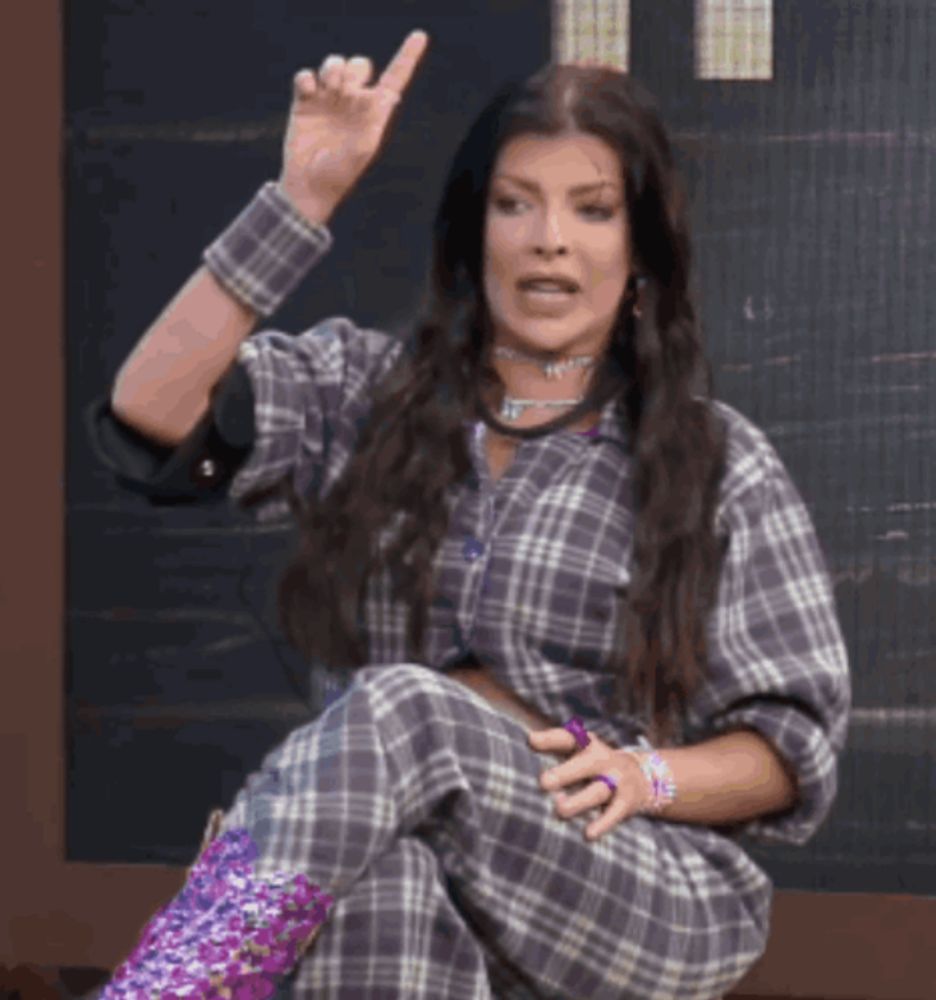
column 833, row 946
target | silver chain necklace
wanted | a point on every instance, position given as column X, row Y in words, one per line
column 512, row 408
column 551, row 369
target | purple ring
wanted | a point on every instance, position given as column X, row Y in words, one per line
column 608, row 780
column 577, row 728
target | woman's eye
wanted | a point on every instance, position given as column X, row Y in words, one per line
column 597, row 211
column 509, row 206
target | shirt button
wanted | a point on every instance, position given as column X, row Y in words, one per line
column 206, row 470
column 472, row 549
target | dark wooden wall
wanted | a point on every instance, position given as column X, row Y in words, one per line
column 58, row 910
column 814, row 242
column 174, row 116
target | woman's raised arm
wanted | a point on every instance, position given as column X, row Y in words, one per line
column 337, row 125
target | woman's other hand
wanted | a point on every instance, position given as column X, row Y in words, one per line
column 337, row 125
column 630, row 797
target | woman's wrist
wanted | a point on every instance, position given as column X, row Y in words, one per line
column 658, row 779
column 725, row 780
column 316, row 209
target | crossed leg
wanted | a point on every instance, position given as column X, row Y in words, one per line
column 396, row 933
column 418, row 807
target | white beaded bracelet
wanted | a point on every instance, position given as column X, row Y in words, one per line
column 658, row 773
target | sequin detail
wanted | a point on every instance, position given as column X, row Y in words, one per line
column 226, row 934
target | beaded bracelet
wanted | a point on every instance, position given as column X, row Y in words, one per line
column 658, row 774
column 660, row 778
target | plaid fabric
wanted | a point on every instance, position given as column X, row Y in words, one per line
column 528, row 574
column 509, row 901
column 526, row 580
column 417, row 805
column 777, row 661
column 266, row 251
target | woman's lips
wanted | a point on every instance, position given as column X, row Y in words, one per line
column 547, row 281
column 542, row 299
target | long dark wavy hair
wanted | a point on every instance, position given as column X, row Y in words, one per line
column 412, row 449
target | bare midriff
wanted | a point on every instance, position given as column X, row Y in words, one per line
column 482, row 681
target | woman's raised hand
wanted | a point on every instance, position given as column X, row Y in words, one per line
column 337, row 124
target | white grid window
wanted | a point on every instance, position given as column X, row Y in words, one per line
column 734, row 39
column 592, row 31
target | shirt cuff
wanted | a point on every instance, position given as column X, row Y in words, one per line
column 199, row 468
column 267, row 251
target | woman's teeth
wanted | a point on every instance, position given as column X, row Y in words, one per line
column 545, row 288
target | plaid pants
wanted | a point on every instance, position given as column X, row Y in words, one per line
column 417, row 805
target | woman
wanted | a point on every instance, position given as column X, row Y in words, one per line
column 591, row 634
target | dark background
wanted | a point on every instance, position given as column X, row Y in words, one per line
column 814, row 243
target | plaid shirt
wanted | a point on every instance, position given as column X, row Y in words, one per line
column 529, row 572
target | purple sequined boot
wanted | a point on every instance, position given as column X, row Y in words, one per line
column 226, row 934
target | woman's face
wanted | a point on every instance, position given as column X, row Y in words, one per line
column 556, row 243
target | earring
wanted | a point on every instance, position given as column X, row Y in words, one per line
column 640, row 282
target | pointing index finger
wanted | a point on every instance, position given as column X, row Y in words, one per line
column 400, row 70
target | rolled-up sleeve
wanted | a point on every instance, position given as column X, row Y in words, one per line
column 198, row 469
column 289, row 410
column 311, row 393
column 777, row 660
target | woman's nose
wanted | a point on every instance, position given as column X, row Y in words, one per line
column 548, row 237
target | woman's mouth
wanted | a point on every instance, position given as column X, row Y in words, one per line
column 542, row 293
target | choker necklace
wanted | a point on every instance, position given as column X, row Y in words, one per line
column 551, row 369
column 512, row 408
column 608, row 383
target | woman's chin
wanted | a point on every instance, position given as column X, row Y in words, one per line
column 542, row 336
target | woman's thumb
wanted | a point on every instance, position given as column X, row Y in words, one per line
column 303, row 84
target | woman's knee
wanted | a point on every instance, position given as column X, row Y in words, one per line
column 424, row 716
column 423, row 696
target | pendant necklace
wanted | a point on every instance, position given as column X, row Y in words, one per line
column 551, row 369
column 513, row 408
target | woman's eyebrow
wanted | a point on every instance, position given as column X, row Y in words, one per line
column 533, row 186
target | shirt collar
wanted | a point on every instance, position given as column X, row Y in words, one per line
column 609, row 426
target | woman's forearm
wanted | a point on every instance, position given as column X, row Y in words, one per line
column 721, row 782
column 163, row 388
column 726, row 780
